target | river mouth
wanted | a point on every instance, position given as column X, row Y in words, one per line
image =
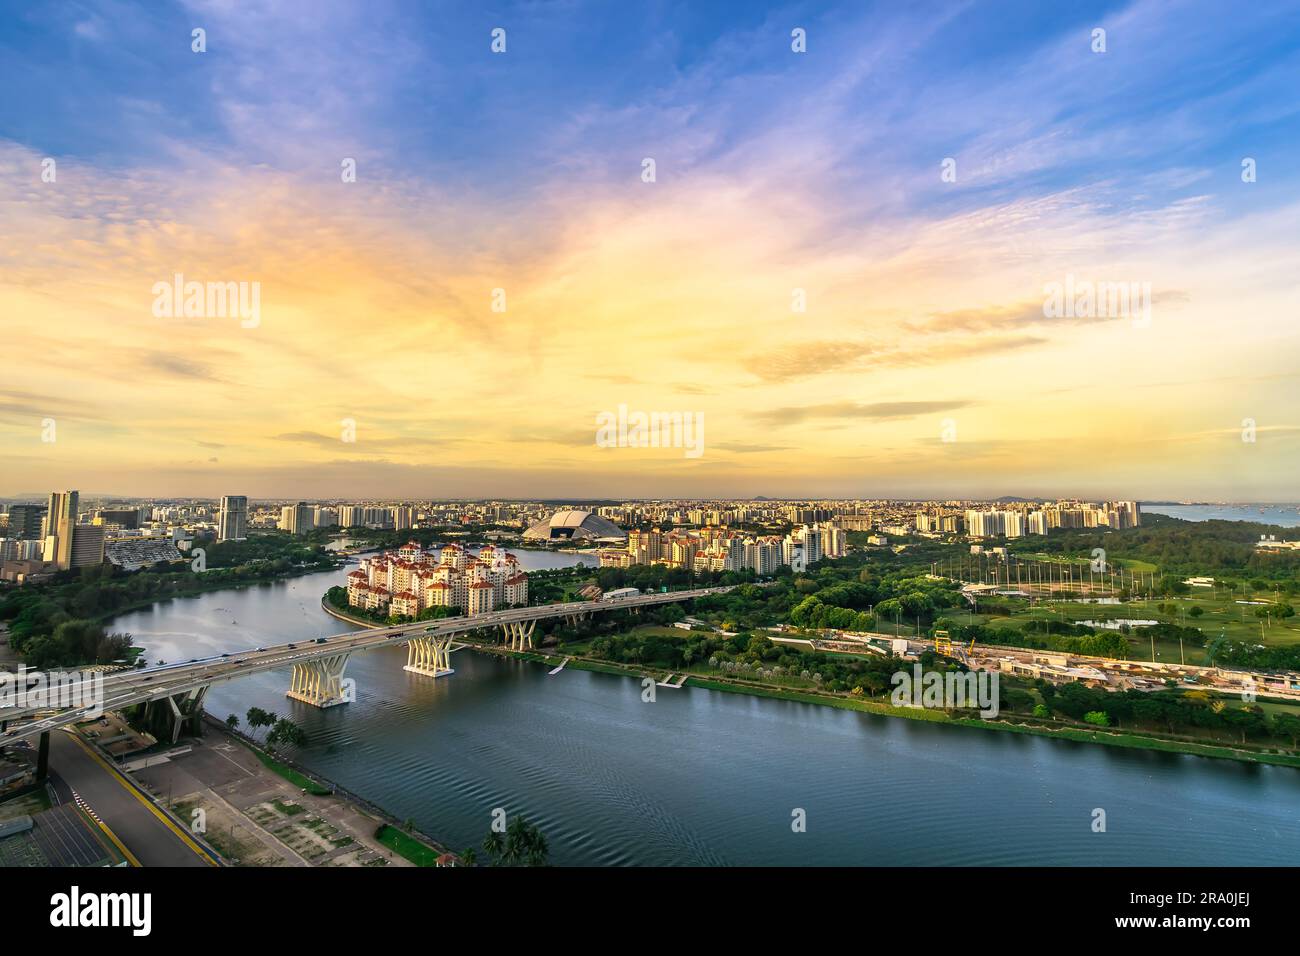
column 706, row 778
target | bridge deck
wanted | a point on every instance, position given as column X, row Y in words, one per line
column 125, row 688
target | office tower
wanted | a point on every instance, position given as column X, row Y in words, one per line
column 87, row 548
column 25, row 521
column 126, row 518
column 60, row 518
column 232, row 522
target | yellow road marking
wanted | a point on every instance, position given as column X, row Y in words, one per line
column 166, row 821
column 130, row 857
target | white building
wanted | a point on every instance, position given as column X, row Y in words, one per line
column 411, row 580
column 232, row 520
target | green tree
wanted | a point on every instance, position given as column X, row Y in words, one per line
column 257, row 718
column 285, row 731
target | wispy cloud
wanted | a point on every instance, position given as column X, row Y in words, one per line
column 855, row 411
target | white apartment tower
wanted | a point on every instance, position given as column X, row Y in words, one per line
column 232, row 522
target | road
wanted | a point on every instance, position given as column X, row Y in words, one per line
column 124, row 688
column 144, row 832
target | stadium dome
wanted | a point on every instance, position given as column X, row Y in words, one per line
column 574, row 526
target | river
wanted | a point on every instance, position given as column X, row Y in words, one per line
column 701, row 777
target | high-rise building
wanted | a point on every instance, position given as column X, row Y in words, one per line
column 127, row 518
column 232, row 523
column 60, row 519
column 25, row 521
column 296, row 519
column 87, row 546
column 835, row 543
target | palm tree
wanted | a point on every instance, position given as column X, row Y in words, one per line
column 493, row 845
column 538, row 848
column 524, row 844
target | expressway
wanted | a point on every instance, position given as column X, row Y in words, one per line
column 145, row 834
column 125, row 688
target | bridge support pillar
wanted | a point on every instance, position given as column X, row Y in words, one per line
column 43, row 758
column 166, row 717
column 519, row 637
column 319, row 682
column 429, row 655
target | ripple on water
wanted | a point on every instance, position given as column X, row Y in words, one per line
column 704, row 778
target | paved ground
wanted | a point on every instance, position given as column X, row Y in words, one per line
column 254, row 817
column 141, row 828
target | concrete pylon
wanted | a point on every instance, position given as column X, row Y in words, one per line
column 176, row 710
column 319, row 682
column 43, row 757
column 519, row 637
column 429, row 655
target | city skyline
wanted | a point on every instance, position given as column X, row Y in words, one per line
column 925, row 362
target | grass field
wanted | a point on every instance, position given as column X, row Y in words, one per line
column 407, row 846
column 1128, row 564
column 293, row 776
column 1220, row 616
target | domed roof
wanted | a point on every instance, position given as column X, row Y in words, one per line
column 572, row 524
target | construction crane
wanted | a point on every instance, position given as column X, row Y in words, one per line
column 945, row 645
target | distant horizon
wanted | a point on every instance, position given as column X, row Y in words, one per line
column 614, row 500
column 891, row 256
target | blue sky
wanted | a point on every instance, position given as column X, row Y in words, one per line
column 115, row 82
column 775, row 171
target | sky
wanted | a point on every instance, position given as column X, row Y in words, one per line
column 843, row 263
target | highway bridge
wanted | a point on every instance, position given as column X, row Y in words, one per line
column 317, row 665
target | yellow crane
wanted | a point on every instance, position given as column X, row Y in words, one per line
column 945, row 645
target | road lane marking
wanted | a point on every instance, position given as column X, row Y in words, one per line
column 85, row 807
column 116, row 775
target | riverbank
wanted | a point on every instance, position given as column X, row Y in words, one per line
column 1022, row 724
column 264, row 809
column 162, row 587
column 343, row 616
